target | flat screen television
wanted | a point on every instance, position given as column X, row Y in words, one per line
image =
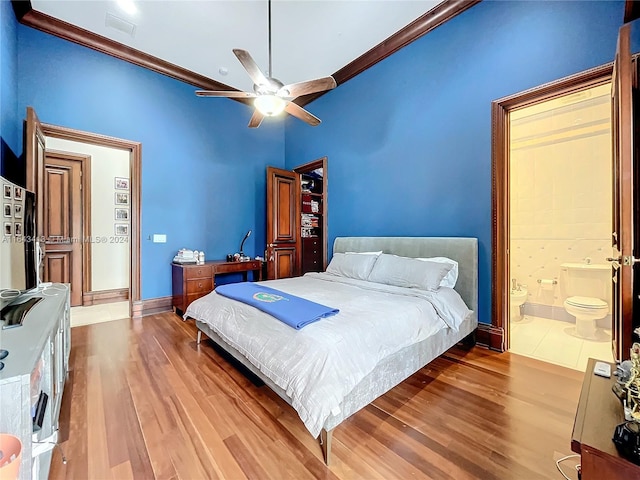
column 18, row 243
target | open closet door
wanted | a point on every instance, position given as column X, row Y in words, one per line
column 625, row 255
column 34, row 159
column 282, row 223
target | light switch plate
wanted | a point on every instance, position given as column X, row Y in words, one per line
column 159, row 238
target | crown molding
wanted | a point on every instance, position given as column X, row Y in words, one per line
column 72, row 33
column 20, row 8
column 631, row 10
column 422, row 25
column 416, row 29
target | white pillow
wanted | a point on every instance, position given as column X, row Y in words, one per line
column 408, row 272
column 450, row 278
column 351, row 266
column 365, row 253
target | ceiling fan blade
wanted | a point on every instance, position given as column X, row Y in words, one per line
column 251, row 67
column 299, row 112
column 294, row 90
column 224, row 93
column 256, row 119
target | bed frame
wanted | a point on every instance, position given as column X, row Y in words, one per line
column 395, row 368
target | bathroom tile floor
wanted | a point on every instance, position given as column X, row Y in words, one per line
column 551, row 341
column 99, row 313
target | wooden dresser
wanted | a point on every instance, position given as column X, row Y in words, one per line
column 190, row 282
column 312, row 255
column 599, row 411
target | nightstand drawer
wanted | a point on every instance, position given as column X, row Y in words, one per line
column 200, row 271
column 199, row 285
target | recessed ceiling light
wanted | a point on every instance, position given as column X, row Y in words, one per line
column 128, row 6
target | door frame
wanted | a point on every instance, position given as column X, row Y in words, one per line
column 309, row 167
column 135, row 170
column 497, row 335
column 85, row 168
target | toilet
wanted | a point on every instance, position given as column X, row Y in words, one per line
column 586, row 285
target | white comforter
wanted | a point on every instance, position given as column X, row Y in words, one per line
column 320, row 364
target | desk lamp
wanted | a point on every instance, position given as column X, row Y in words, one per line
column 243, row 257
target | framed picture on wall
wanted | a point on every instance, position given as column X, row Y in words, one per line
column 122, row 229
column 8, row 228
column 122, row 183
column 17, row 229
column 17, row 193
column 7, row 192
column 122, row 198
column 17, row 211
column 7, row 210
column 122, row 214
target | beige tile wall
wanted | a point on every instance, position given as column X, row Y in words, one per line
column 560, row 194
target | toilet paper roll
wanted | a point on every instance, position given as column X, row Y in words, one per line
column 546, row 284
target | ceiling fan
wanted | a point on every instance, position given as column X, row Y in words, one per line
column 271, row 96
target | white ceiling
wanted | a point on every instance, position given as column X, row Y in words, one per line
column 310, row 38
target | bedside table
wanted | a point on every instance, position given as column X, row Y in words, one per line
column 190, row 282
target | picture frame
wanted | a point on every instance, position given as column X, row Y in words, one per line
column 17, row 193
column 17, row 211
column 121, row 183
column 8, row 228
column 17, row 229
column 122, row 214
column 8, row 192
column 122, row 198
column 7, row 210
column 121, row 229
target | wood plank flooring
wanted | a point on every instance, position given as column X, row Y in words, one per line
column 144, row 401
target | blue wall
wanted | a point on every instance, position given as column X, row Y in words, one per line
column 203, row 170
column 409, row 140
column 10, row 121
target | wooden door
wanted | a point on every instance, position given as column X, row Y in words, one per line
column 63, row 233
column 283, row 217
column 34, row 159
column 623, row 248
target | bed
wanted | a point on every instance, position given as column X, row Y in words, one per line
column 257, row 340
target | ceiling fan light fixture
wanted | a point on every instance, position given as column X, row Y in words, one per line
column 269, row 105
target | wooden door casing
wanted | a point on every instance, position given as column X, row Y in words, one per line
column 34, row 159
column 283, row 219
column 62, row 223
column 623, row 249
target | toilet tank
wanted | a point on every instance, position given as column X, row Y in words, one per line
column 587, row 280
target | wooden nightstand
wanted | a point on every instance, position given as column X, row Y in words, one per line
column 191, row 282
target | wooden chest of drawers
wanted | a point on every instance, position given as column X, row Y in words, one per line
column 311, row 255
column 190, row 282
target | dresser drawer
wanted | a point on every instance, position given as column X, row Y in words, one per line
column 311, row 265
column 200, row 271
column 199, row 285
column 313, row 242
column 193, row 296
column 237, row 267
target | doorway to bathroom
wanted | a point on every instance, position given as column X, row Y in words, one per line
column 559, row 228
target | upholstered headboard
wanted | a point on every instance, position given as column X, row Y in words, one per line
column 462, row 250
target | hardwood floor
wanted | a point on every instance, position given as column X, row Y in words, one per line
column 144, row 401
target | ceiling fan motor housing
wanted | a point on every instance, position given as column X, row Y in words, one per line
column 270, row 88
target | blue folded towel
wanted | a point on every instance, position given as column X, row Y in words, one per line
column 294, row 311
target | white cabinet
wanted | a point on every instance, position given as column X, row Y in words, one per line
column 38, row 361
